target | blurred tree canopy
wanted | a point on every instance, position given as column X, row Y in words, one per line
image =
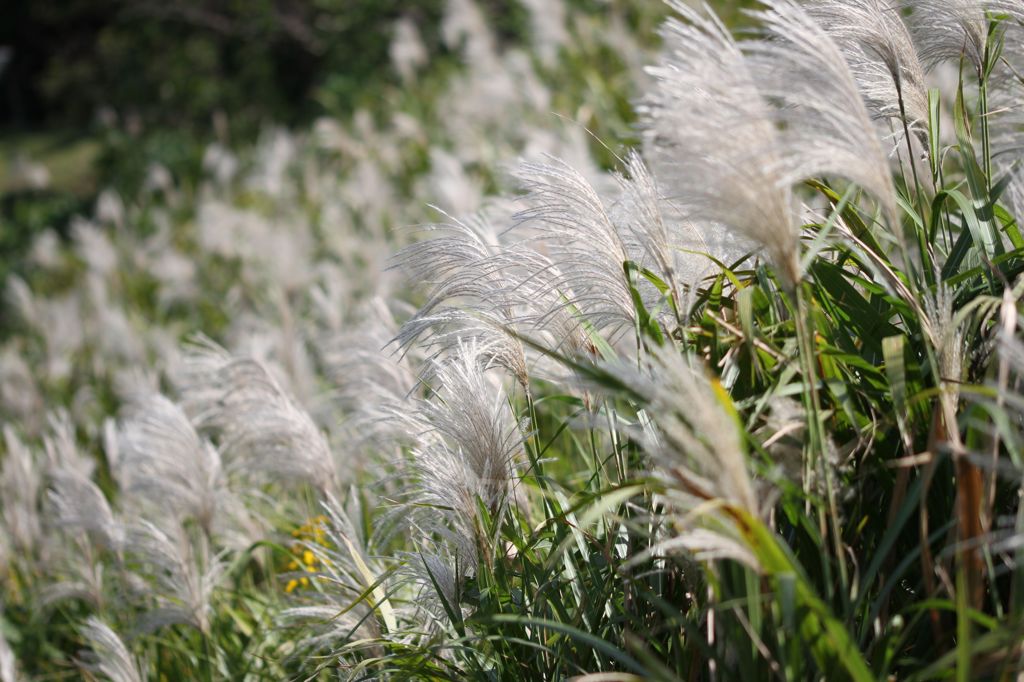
column 154, row 80
column 179, row 62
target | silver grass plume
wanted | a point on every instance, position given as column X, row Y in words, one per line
column 696, row 449
column 548, row 30
column 1010, row 13
column 20, row 397
column 84, row 526
column 57, row 321
column 182, row 570
column 406, row 50
column 344, row 571
column 60, row 445
column 880, row 51
column 1014, row 196
column 261, row 426
column 8, row 662
column 486, row 291
column 110, row 657
column 5, row 552
column 76, row 570
column 947, row 338
column 1006, row 113
column 541, row 294
column 1014, row 9
column 274, row 336
column 367, row 377
column 1010, row 350
column 948, row 30
column 951, row 29
column 93, row 246
column 468, row 447
column 471, row 414
column 825, row 128
column 711, row 136
column 572, row 227
column 465, row 274
column 451, row 326
column 164, row 462
column 21, row 482
column 654, row 240
column 435, row 573
column 452, row 262
column 79, row 506
column 545, row 298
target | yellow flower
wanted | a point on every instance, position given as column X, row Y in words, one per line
column 304, row 559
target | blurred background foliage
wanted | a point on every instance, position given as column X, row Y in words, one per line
column 93, row 93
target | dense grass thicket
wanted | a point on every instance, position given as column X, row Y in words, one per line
column 746, row 406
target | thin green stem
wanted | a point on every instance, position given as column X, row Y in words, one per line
column 208, row 663
column 534, row 450
column 986, row 149
column 910, row 157
column 817, row 454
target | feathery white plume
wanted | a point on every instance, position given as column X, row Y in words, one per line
column 111, row 657
column 711, row 138
column 547, row 23
column 699, row 439
column 468, row 447
column 946, row 337
column 261, row 427
column 21, row 481
column 164, row 462
column 881, row 54
column 61, row 446
column 94, row 246
column 5, row 552
column 182, row 570
column 76, row 570
column 368, row 378
column 654, row 237
column 8, row 662
column 110, row 208
column 85, row 526
column 1014, row 9
column 485, row 291
column 949, row 29
column 1006, row 114
column 696, row 450
column 451, row 185
column 78, row 505
column 20, row 398
column 573, row 228
column 436, row 574
column 825, row 128
column 407, row 52
column 343, row 572
column 466, row 275
column 56, row 320
column 464, row 26
column 544, row 296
